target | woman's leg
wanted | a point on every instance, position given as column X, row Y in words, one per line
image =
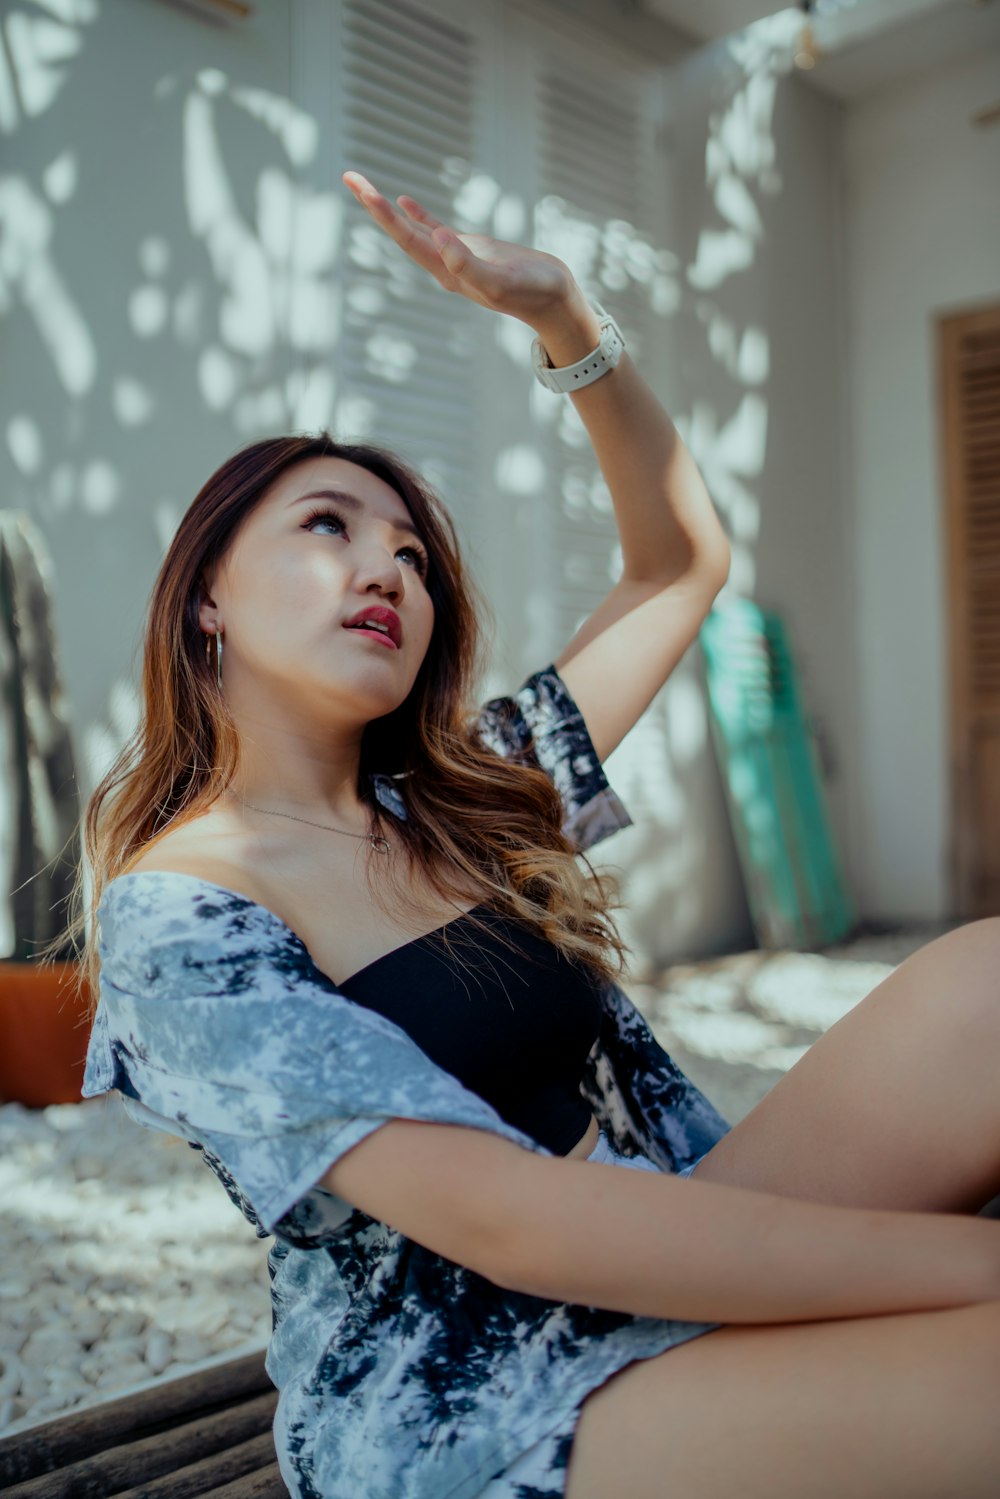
column 897, row 1105
column 894, row 1407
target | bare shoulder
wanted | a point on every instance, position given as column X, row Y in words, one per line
column 208, row 847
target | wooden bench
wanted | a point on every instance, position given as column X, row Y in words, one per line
column 205, row 1433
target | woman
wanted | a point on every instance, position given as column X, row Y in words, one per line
column 347, row 951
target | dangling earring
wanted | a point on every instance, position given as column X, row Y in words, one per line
column 218, row 654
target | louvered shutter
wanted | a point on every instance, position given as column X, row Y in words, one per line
column 970, row 356
column 596, row 136
column 411, row 75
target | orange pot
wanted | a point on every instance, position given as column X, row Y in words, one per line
column 44, row 1030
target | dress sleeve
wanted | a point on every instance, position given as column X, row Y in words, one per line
column 214, row 1024
column 542, row 725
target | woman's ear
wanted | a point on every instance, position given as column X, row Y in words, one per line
column 208, row 612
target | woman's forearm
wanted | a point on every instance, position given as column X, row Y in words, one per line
column 602, row 1235
column 666, row 520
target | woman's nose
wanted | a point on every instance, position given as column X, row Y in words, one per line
column 380, row 569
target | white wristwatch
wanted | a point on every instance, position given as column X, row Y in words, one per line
column 573, row 377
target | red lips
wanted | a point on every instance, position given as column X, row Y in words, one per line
column 379, row 614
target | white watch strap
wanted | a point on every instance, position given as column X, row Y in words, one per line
column 573, row 377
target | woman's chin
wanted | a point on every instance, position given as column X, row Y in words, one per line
column 371, row 696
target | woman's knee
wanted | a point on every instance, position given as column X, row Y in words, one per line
column 974, row 977
column 958, row 975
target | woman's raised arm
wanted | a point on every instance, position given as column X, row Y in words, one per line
column 675, row 554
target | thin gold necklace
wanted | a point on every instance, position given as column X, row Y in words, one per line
column 378, row 843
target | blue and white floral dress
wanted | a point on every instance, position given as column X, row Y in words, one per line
column 401, row 1374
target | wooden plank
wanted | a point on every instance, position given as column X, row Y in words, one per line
column 267, row 1484
column 234, row 1471
column 59, row 1443
column 126, row 1464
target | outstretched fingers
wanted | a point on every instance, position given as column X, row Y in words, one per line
column 419, row 212
column 409, row 235
column 450, row 257
column 446, row 240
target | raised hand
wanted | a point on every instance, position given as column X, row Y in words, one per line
column 524, row 283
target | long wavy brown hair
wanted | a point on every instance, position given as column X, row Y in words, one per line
column 475, row 821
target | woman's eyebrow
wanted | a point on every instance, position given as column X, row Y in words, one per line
column 352, row 503
column 350, row 500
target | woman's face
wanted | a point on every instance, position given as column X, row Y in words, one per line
column 301, row 567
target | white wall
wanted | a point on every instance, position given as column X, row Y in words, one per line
column 108, row 305
column 754, row 162
column 923, row 238
column 770, row 356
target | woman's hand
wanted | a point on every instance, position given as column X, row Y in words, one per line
column 526, row 284
column 674, row 550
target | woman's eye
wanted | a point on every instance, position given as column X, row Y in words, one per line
column 419, row 558
column 326, row 515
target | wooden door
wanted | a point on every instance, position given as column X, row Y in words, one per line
column 969, row 376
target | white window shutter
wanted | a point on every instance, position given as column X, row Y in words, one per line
column 597, row 209
column 409, row 82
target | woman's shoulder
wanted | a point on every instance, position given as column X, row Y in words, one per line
column 191, row 896
column 312, row 898
column 210, row 846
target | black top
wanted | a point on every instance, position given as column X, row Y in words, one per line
column 514, row 1026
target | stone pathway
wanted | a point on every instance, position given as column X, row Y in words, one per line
column 124, row 1263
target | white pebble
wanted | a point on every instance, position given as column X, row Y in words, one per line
column 114, row 1283
column 14, row 1289
column 186, row 1313
column 39, row 1298
column 159, row 1351
column 41, row 1233
column 64, row 1379
column 125, row 1325
column 23, row 1313
column 11, row 1373
column 11, row 1409
column 33, row 1384
column 49, row 1345
column 189, row 1349
column 89, row 1325
column 79, row 1281
column 49, row 1404
column 111, row 1350
column 120, row 1376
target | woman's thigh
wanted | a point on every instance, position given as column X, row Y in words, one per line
column 893, row 1407
column 896, row 1105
